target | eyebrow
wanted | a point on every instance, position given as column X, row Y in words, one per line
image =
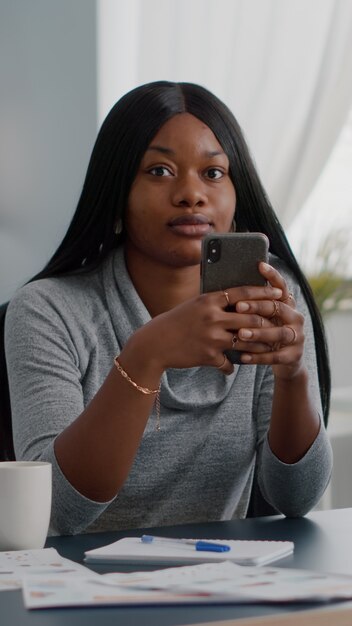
column 164, row 150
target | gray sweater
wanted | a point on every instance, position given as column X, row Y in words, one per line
column 61, row 337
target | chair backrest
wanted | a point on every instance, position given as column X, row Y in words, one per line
column 258, row 506
column 7, row 452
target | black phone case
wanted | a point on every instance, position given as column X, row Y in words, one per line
column 236, row 266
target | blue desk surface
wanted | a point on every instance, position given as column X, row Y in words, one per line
column 323, row 541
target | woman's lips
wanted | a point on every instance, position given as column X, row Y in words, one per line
column 191, row 225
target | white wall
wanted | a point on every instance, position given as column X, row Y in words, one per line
column 338, row 330
column 48, row 123
column 339, row 493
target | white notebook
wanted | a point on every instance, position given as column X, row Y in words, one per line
column 132, row 549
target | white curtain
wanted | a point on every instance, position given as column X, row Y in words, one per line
column 284, row 68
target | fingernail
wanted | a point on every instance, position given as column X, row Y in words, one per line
column 246, row 358
column 265, row 266
column 245, row 334
column 277, row 293
column 242, row 306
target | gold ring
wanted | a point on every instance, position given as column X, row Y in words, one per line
column 223, row 363
column 227, row 297
column 275, row 312
column 289, row 297
column 294, row 338
column 234, row 340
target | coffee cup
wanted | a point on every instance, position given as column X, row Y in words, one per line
column 25, row 504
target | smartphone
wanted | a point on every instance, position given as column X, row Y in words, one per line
column 231, row 260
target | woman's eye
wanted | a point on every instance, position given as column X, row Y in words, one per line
column 159, row 170
column 214, row 173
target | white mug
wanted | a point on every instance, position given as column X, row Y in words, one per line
column 25, row 504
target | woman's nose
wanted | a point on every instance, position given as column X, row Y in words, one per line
column 189, row 191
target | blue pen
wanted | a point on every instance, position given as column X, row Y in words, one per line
column 200, row 545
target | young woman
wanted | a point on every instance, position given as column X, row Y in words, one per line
column 169, row 431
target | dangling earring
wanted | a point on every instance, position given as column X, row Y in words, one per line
column 118, row 226
column 233, row 226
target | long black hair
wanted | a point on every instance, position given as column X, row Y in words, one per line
column 121, row 143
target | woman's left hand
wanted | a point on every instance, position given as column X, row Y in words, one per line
column 282, row 329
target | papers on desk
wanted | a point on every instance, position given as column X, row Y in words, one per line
column 225, row 583
column 132, row 549
column 50, row 581
column 14, row 564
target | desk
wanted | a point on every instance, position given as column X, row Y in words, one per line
column 323, row 541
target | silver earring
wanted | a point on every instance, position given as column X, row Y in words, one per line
column 233, row 226
column 118, row 227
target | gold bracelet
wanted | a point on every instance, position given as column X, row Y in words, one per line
column 145, row 390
